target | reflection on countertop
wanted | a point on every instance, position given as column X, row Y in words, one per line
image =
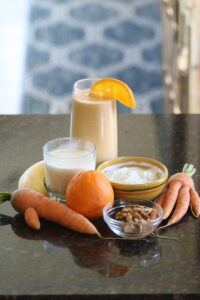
column 111, row 257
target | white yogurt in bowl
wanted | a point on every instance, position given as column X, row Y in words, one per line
column 133, row 173
column 135, row 177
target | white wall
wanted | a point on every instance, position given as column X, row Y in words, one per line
column 13, row 25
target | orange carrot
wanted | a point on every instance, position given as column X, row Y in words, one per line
column 159, row 201
column 51, row 210
column 170, row 198
column 31, row 218
column 185, row 177
column 171, row 195
column 182, row 205
column 194, row 202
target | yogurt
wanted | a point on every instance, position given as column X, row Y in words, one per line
column 133, row 173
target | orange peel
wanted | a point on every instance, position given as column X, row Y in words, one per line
column 114, row 89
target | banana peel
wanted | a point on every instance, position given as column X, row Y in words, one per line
column 33, row 178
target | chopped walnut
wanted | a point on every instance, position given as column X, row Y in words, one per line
column 134, row 217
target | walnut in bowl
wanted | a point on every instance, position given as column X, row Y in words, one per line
column 132, row 218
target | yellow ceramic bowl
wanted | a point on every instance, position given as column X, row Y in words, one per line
column 147, row 191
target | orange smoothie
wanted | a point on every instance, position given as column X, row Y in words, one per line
column 95, row 119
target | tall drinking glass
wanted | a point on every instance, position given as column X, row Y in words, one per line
column 94, row 117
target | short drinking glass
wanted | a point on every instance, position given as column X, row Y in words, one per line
column 63, row 158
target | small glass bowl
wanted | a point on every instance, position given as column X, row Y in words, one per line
column 133, row 230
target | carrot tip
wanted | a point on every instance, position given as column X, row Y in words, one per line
column 165, row 217
column 194, row 214
column 34, row 225
column 169, row 223
column 31, row 218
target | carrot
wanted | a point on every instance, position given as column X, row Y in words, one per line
column 182, row 205
column 194, row 202
column 154, row 212
column 173, row 190
column 31, row 218
column 161, row 199
column 185, row 176
column 170, row 198
column 51, row 210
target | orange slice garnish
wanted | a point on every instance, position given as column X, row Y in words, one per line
column 115, row 89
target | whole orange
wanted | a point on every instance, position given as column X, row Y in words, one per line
column 88, row 192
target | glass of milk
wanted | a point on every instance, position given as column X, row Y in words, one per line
column 63, row 158
column 94, row 118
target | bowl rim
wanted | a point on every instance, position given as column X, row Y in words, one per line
column 117, row 222
column 142, row 186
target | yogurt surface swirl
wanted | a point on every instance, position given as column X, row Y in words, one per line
column 133, row 173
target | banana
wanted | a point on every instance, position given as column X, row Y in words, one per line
column 33, row 178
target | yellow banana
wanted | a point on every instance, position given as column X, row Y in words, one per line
column 33, row 178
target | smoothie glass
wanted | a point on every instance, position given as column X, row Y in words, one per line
column 94, row 117
column 63, row 158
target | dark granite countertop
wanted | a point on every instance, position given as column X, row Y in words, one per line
column 56, row 263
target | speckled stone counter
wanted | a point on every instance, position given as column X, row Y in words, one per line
column 56, row 263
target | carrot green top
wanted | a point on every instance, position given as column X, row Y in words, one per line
column 189, row 169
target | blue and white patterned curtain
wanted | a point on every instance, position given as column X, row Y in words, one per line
column 72, row 39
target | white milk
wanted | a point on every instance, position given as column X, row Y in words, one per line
column 63, row 164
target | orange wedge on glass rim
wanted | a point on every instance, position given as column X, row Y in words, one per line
column 115, row 89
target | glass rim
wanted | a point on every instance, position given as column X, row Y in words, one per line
column 75, row 87
column 47, row 152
